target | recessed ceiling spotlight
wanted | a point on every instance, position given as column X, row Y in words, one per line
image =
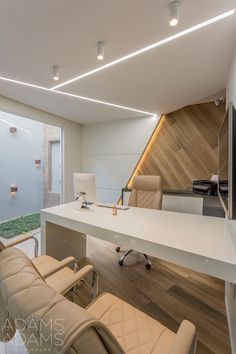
column 55, row 71
column 174, row 13
column 150, row 47
column 100, row 50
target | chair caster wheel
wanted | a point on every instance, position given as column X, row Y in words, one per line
column 118, row 249
column 121, row 262
column 148, row 266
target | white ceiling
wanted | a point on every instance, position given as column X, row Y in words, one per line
column 35, row 35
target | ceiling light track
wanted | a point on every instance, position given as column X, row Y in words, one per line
column 149, row 47
column 76, row 96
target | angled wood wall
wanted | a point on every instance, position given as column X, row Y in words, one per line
column 184, row 146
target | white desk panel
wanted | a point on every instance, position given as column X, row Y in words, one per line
column 202, row 243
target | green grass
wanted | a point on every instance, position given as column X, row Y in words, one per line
column 19, row 226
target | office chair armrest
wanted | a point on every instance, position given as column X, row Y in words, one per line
column 24, row 239
column 66, row 284
column 185, row 340
column 56, row 267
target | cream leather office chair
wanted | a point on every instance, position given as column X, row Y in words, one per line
column 146, row 193
column 49, row 322
column 58, row 274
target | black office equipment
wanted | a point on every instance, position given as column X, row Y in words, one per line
column 205, row 187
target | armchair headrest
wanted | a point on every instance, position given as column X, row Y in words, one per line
column 147, row 183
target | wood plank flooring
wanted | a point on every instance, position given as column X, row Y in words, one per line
column 167, row 292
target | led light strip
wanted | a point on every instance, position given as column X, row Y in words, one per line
column 146, row 151
column 77, row 96
column 149, row 47
column 105, row 103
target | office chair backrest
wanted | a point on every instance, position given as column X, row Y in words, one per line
column 146, row 192
column 45, row 319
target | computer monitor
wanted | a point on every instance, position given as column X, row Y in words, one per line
column 85, row 183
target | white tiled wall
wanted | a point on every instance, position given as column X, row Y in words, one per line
column 111, row 151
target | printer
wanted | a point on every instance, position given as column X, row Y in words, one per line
column 206, row 187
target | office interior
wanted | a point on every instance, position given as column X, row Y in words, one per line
column 135, row 248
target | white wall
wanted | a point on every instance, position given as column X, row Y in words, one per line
column 231, row 84
column 72, row 133
column 111, row 150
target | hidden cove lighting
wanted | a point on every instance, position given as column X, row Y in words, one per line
column 174, row 13
column 150, row 47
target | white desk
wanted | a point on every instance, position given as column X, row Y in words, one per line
column 202, row 243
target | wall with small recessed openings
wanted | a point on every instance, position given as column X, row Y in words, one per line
column 71, row 140
column 18, row 153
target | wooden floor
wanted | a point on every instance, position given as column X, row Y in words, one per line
column 167, row 292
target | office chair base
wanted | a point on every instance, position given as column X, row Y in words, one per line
column 148, row 262
column 121, row 260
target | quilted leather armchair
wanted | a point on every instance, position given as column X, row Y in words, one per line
column 108, row 326
column 56, row 273
column 46, row 265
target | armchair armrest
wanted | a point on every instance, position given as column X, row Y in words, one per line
column 23, row 239
column 64, row 284
column 185, row 340
column 56, row 267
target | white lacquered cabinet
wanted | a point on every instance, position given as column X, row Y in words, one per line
column 170, row 202
column 183, row 204
column 177, row 203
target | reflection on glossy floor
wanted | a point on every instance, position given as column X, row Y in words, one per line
column 167, row 292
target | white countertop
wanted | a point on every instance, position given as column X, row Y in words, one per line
column 146, row 229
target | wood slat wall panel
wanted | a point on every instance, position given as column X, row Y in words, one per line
column 185, row 146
